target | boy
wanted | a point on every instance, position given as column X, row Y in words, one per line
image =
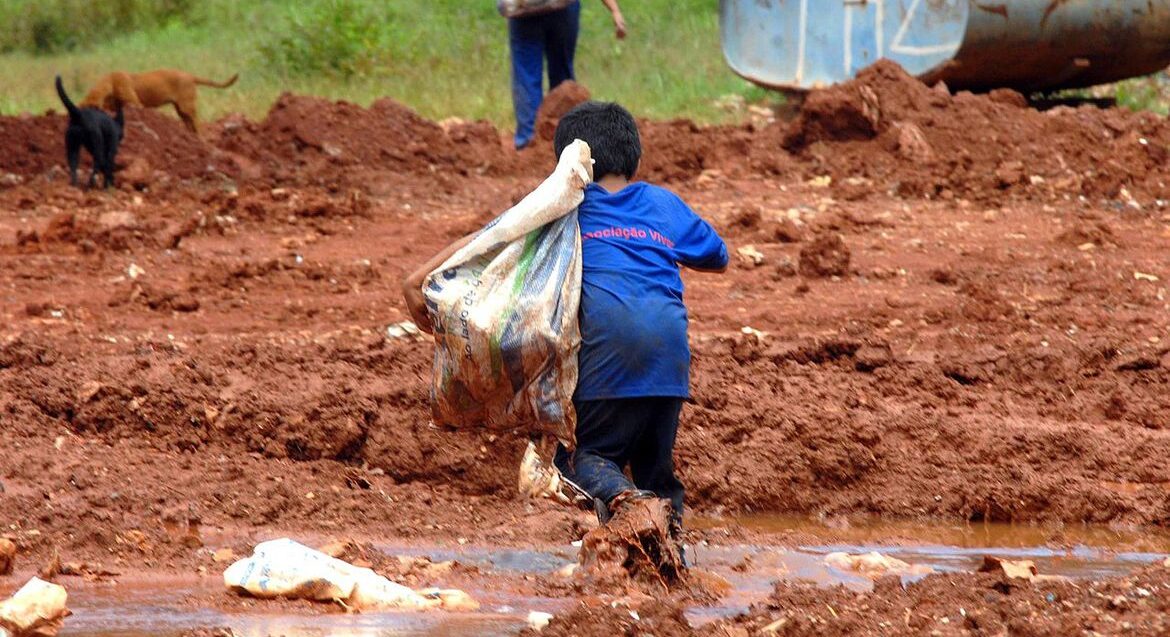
column 634, row 361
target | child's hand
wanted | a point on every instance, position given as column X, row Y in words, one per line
column 619, row 25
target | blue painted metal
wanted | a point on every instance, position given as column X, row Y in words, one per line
column 976, row 44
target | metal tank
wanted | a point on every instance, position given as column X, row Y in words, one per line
column 1028, row 45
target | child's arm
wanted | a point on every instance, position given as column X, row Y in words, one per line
column 619, row 21
column 712, row 269
column 699, row 247
column 416, row 301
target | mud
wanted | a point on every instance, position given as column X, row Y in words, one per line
column 199, row 357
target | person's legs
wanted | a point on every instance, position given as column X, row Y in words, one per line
column 526, row 39
column 652, row 457
column 606, row 432
column 561, row 43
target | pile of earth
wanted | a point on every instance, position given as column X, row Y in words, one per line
column 887, row 129
column 154, row 141
column 883, row 131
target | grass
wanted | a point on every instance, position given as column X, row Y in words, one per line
column 441, row 57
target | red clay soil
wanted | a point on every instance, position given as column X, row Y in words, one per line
column 210, row 343
column 964, row 604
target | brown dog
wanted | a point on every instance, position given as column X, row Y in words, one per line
column 152, row 89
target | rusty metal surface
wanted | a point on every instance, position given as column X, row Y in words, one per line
column 975, row 44
column 1034, row 45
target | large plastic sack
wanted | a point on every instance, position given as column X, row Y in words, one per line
column 284, row 568
column 520, row 8
column 504, row 309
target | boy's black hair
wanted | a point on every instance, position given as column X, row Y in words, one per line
column 610, row 131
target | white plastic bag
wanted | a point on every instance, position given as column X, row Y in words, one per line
column 504, row 309
column 284, row 568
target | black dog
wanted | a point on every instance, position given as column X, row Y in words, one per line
column 99, row 133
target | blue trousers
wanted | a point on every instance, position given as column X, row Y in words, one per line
column 531, row 39
column 611, row 434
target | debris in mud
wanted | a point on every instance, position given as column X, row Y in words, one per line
column 403, row 330
column 538, row 620
column 825, row 256
column 750, row 257
column 36, row 610
column 7, row 554
column 1013, row 569
column 541, row 480
column 635, row 544
column 874, row 565
column 1016, row 570
column 284, row 568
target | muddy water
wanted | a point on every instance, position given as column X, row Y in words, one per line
column 133, row 611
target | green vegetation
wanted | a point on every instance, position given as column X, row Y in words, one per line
column 441, row 57
column 1145, row 94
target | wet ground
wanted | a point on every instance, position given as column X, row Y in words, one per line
column 132, row 609
column 961, row 316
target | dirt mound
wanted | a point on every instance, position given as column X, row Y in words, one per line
column 32, row 144
column 617, row 620
column 964, row 604
column 315, row 137
column 153, row 140
column 920, row 141
column 559, row 101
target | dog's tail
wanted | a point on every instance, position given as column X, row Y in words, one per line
column 206, row 82
column 74, row 112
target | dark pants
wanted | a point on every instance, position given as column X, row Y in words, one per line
column 611, row 434
column 531, row 39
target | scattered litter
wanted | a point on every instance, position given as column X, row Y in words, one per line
column 568, row 570
column 874, row 564
column 284, row 568
column 539, row 480
column 402, row 330
column 36, row 610
column 750, row 256
column 1142, row 276
column 753, row 332
column 538, row 621
column 774, row 627
column 451, row 599
column 1014, row 569
column 823, row 181
column 134, row 271
column 1017, row 569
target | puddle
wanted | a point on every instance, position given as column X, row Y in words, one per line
column 141, row 611
column 975, row 535
column 1081, row 552
column 1077, row 552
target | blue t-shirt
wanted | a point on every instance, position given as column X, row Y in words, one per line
column 633, row 321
